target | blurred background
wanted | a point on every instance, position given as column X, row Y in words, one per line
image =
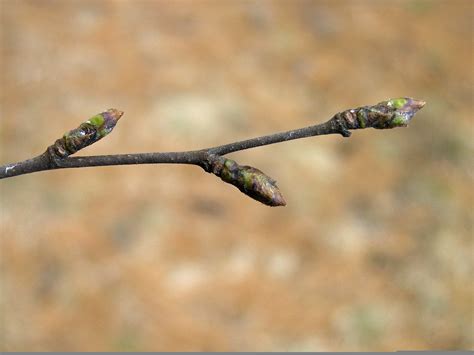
column 374, row 250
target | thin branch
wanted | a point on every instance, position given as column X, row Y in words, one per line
column 196, row 157
column 329, row 127
column 387, row 114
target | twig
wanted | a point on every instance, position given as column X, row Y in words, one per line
column 387, row 114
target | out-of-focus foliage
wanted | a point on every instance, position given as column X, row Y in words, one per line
column 373, row 250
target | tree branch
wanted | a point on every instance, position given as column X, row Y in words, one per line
column 386, row 114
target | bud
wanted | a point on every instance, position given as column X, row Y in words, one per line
column 89, row 132
column 395, row 112
column 386, row 114
column 249, row 180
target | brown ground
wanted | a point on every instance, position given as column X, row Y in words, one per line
column 375, row 248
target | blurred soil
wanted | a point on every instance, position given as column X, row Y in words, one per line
column 374, row 250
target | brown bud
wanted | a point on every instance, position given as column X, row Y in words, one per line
column 87, row 133
column 249, row 180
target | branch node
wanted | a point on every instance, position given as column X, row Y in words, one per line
column 341, row 122
column 54, row 155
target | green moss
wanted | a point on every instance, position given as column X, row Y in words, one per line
column 397, row 103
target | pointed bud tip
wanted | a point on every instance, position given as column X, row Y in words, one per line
column 414, row 104
column 278, row 200
column 116, row 114
column 409, row 109
column 394, row 112
column 417, row 105
column 421, row 103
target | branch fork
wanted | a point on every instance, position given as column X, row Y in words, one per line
column 251, row 181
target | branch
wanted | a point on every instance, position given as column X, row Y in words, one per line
column 386, row 114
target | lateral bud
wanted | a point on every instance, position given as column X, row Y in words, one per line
column 89, row 132
column 248, row 180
